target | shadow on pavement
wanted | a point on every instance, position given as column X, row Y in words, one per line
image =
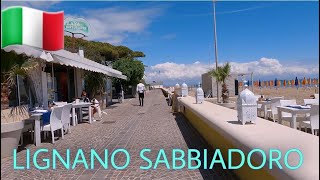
column 195, row 141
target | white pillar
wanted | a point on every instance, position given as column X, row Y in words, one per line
column 78, row 82
column 44, row 90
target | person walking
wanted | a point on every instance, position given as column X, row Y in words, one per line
column 141, row 92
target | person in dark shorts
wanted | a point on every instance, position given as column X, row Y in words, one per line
column 141, row 91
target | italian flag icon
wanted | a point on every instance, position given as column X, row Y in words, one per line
column 27, row 26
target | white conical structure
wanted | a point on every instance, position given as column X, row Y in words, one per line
column 199, row 95
column 177, row 89
column 184, row 90
column 247, row 106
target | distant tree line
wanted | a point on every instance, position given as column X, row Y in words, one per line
column 120, row 57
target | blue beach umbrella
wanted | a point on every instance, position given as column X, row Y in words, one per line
column 296, row 82
column 276, row 82
column 259, row 83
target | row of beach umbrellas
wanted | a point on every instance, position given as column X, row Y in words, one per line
column 284, row 83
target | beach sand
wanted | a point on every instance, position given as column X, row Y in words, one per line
column 287, row 92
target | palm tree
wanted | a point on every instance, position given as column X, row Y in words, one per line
column 221, row 73
column 20, row 70
column 13, row 65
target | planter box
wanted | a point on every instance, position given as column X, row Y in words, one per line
column 10, row 136
column 12, row 123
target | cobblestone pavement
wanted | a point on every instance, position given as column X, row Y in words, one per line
column 127, row 126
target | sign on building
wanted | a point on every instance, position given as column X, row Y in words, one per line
column 76, row 26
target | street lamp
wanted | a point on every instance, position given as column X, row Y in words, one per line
column 215, row 47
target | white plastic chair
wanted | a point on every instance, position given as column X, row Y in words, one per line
column 312, row 121
column 259, row 106
column 288, row 116
column 85, row 111
column 65, row 117
column 311, row 101
column 273, row 111
column 96, row 105
column 55, row 122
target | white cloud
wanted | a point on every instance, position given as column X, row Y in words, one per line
column 263, row 68
column 272, row 67
column 173, row 72
column 113, row 25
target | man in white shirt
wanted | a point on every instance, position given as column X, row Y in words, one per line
column 141, row 91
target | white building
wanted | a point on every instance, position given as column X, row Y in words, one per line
column 232, row 83
column 156, row 85
column 60, row 76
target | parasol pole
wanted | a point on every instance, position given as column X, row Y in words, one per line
column 252, row 81
column 215, row 45
column 54, row 93
column 260, row 85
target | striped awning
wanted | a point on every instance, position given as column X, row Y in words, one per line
column 67, row 58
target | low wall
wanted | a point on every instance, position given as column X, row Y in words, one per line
column 220, row 128
column 165, row 92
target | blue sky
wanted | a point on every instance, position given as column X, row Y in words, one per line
column 273, row 39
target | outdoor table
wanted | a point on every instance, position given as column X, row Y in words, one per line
column 80, row 106
column 294, row 111
column 37, row 131
column 264, row 105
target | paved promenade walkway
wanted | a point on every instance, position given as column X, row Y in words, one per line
column 127, row 126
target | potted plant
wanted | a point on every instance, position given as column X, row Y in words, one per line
column 12, row 123
column 12, row 118
column 221, row 74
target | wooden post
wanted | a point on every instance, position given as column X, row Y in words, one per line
column 74, row 43
column 252, row 81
